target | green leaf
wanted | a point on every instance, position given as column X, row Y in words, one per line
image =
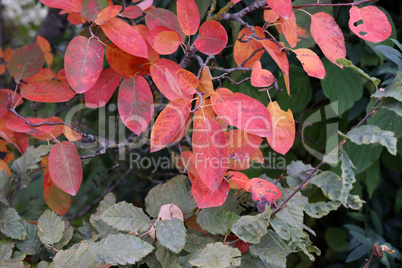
column 100, row 226
column 362, row 156
column 373, row 178
column 125, row 217
column 120, row 249
column 217, row 255
column 272, row 250
column 320, row 209
column 336, row 239
column 348, row 63
column 216, row 220
column 297, row 172
column 67, row 235
column 79, row 255
column 292, row 214
column 51, row 228
column 387, row 120
column 31, row 245
column 28, row 161
column 252, row 228
column 348, row 177
column 392, row 105
column 6, row 187
column 175, row 191
column 369, row 134
column 394, row 91
column 6, row 249
column 196, row 240
column 389, row 52
column 11, row 225
column 343, row 87
column 167, row 258
column 171, row 234
column 398, row 201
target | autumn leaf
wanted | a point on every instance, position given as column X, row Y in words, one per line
column 242, row 145
column 4, row 166
column 135, row 103
column 205, row 197
column 107, row 13
column 187, row 159
column 283, row 129
column 212, row 38
column 65, row 167
column 19, row 125
column 328, row 36
column 262, row 189
column 369, row 23
column 282, row 7
column 188, row 16
column 270, row 16
column 169, row 123
column 46, row 49
column 98, row 95
column 47, row 91
column 83, row 63
column 289, row 28
column 9, row 98
column 131, row 12
column 243, row 50
column 164, row 40
column 311, row 62
column 261, row 77
column 71, row 134
column 90, row 8
column 237, row 180
column 188, row 82
column 26, row 61
column 43, row 74
column 277, row 55
column 206, row 87
column 163, row 17
column 70, row 5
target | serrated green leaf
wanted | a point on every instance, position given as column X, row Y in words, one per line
column 369, row 134
column 120, row 249
column 373, row 178
column 6, row 249
column 51, row 228
column 252, row 228
column 389, row 52
column 196, row 240
column 297, row 172
column 387, row 120
column 392, row 105
column 394, row 91
column 126, row 217
column 167, row 258
column 217, row 255
column 67, row 235
column 184, row 260
column 320, row 209
column 272, row 250
column 11, row 225
column 216, row 220
column 6, row 187
column 175, row 191
column 79, row 255
column 171, row 234
column 348, row 177
column 349, row 64
column 31, row 245
column 362, row 156
column 28, row 161
column 100, row 226
column 293, row 212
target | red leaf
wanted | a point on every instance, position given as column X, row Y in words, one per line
column 212, row 38
column 83, row 63
column 47, row 91
column 311, row 62
column 210, row 152
column 260, row 188
column 169, row 123
column 43, row 74
column 163, row 17
column 135, row 103
column 57, row 200
column 61, row 76
column 91, row 8
column 8, row 98
column 188, row 82
column 75, row 18
column 289, row 28
column 164, row 40
column 243, row 50
column 168, row 87
column 19, row 125
column 277, row 55
column 283, row 129
column 144, row 5
column 102, row 91
column 188, row 16
column 132, row 12
column 70, row 5
column 65, row 167
column 369, row 23
column 26, row 61
column 107, row 13
column 238, row 180
column 242, row 145
column 261, row 77
column 205, row 198
column 124, row 36
column 282, row 7
column 328, row 36
column 243, row 112
column 187, row 159
column 46, row 49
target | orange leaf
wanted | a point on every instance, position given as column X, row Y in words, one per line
column 91, row 8
column 283, row 129
column 243, row 50
column 282, row 7
column 205, row 198
column 71, row 134
column 43, row 74
column 3, row 146
column 163, row 17
column 169, row 123
column 47, row 91
column 261, row 77
column 369, row 23
column 328, row 36
column 152, row 54
column 7, row 54
column 102, row 91
column 187, row 158
column 107, row 13
column 132, row 12
column 311, row 62
column 124, row 36
column 3, row 165
column 270, row 15
column 83, row 63
column 43, row 44
column 65, row 167
column 289, row 28
column 277, row 55
column 2, row 69
column 238, row 180
column 287, row 83
column 262, row 189
column 206, row 86
column 75, row 18
column 188, row 82
column 135, row 103
column 242, row 145
column 57, row 200
column 210, row 152
column 243, row 112
column 61, row 76
column 167, row 84
column 70, row 5
column 8, row 98
column 164, row 40
column 212, row 38
column 188, row 16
